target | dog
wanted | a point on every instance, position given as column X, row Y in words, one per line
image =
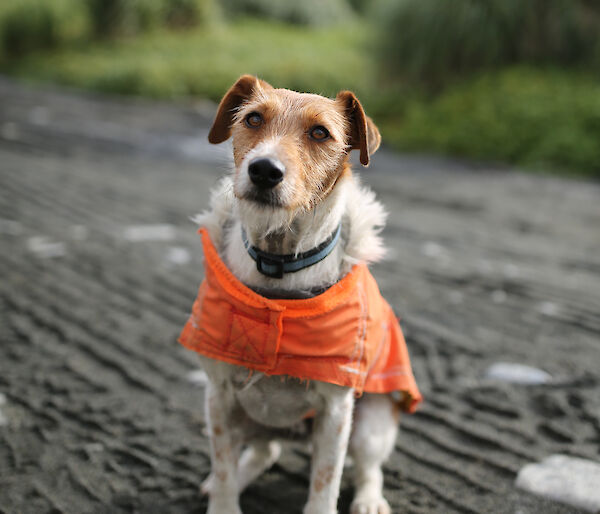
column 290, row 232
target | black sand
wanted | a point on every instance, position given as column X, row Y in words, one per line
column 485, row 265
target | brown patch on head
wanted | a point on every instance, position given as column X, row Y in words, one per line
column 217, row 430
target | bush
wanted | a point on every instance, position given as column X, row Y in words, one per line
column 535, row 118
column 433, row 40
column 129, row 17
column 304, row 12
column 189, row 12
column 28, row 25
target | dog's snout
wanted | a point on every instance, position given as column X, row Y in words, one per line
column 265, row 173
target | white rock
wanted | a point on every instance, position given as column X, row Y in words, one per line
column 160, row 232
column 45, row 248
column 548, row 308
column 565, row 479
column 197, row 377
column 178, row 255
column 432, row 249
column 517, row 373
column 511, row 270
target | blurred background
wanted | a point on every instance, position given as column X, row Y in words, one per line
column 490, row 116
column 510, row 81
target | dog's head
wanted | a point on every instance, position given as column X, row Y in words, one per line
column 290, row 148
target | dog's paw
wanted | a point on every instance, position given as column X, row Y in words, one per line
column 370, row 506
column 310, row 508
column 223, row 506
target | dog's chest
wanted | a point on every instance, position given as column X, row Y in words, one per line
column 277, row 401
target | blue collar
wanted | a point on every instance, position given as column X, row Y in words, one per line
column 275, row 265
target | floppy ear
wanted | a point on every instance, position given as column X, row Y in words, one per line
column 237, row 94
column 364, row 135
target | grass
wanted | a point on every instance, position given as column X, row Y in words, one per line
column 205, row 62
column 537, row 118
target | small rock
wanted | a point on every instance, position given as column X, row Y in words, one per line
column 511, row 270
column 565, row 479
column 178, row 255
column 550, row 309
column 517, row 373
column 138, row 233
column 197, row 377
column 432, row 249
column 93, row 447
column 45, row 248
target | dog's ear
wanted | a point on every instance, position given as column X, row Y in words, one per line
column 237, row 94
column 364, row 135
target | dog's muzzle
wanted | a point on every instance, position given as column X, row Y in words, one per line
column 265, row 173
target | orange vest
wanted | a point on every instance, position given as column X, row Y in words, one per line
column 347, row 335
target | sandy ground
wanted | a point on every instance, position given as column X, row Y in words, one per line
column 96, row 411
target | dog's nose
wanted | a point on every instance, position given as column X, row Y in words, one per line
column 265, row 173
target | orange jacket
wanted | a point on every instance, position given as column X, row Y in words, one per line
column 347, row 335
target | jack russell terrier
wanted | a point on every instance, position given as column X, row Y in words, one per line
column 289, row 323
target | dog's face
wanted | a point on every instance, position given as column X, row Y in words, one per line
column 290, row 148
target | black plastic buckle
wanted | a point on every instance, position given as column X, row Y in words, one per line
column 262, row 261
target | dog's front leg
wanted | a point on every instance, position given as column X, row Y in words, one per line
column 224, row 449
column 330, row 441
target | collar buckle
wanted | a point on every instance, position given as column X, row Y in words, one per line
column 273, row 268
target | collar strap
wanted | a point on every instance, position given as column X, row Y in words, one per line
column 275, row 265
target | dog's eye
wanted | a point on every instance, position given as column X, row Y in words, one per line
column 319, row 133
column 254, row 120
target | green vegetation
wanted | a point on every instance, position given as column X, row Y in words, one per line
column 505, row 80
column 205, row 62
column 304, row 12
column 28, row 25
column 127, row 17
column 434, row 41
column 539, row 119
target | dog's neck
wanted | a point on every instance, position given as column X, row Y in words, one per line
column 301, row 232
column 278, row 232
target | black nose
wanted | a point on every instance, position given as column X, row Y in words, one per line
column 265, row 173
